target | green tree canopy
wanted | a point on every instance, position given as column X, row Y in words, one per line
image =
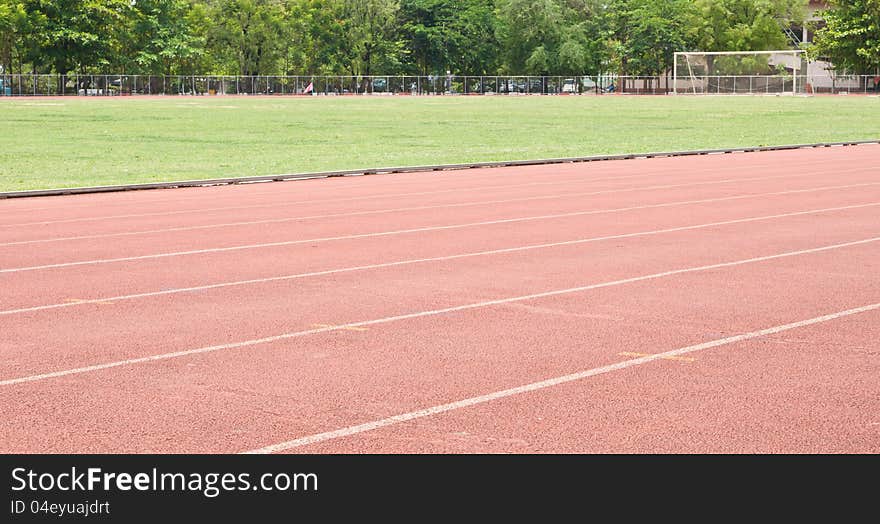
column 851, row 36
column 245, row 38
column 388, row 37
column 372, row 42
column 166, row 37
column 450, row 35
column 746, row 25
column 71, row 36
column 555, row 37
column 642, row 36
column 16, row 33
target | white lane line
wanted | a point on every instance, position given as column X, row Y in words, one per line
column 419, row 314
column 406, row 231
column 395, row 195
column 544, row 384
column 365, row 197
column 579, row 179
column 397, row 210
column 499, row 251
column 296, row 202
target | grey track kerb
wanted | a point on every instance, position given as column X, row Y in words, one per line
column 412, row 169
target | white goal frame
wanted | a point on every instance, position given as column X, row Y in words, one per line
column 753, row 81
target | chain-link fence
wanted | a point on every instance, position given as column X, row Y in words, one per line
column 126, row 85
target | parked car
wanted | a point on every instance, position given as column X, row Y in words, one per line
column 536, row 86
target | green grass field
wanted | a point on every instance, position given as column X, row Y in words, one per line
column 82, row 142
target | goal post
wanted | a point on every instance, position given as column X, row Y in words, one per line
column 740, row 72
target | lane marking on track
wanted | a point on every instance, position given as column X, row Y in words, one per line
column 362, row 197
column 78, row 301
column 334, row 326
column 632, row 354
column 419, row 261
column 395, row 195
column 421, row 314
column 544, row 384
column 413, row 230
column 394, row 210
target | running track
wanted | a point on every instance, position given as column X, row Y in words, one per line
column 719, row 303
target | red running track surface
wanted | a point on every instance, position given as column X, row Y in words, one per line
column 719, row 303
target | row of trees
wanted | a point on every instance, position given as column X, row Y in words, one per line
column 363, row 37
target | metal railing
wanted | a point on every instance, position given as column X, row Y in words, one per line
column 778, row 84
column 205, row 85
column 839, row 84
column 198, row 85
column 742, row 84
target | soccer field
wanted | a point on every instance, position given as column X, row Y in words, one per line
column 82, row 142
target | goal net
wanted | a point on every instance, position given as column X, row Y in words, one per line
column 740, row 73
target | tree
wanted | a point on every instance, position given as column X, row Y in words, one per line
column 371, row 38
column 245, row 39
column 645, row 34
column 450, row 35
column 528, row 31
column 165, row 37
column 15, row 28
column 313, row 38
column 851, row 36
column 746, row 25
column 76, row 35
column 548, row 37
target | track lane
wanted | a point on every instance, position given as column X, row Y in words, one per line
column 278, row 212
column 83, row 206
column 126, row 329
column 219, row 225
column 244, row 398
column 96, row 282
column 21, row 258
column 808, row 390
column 250, row 397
